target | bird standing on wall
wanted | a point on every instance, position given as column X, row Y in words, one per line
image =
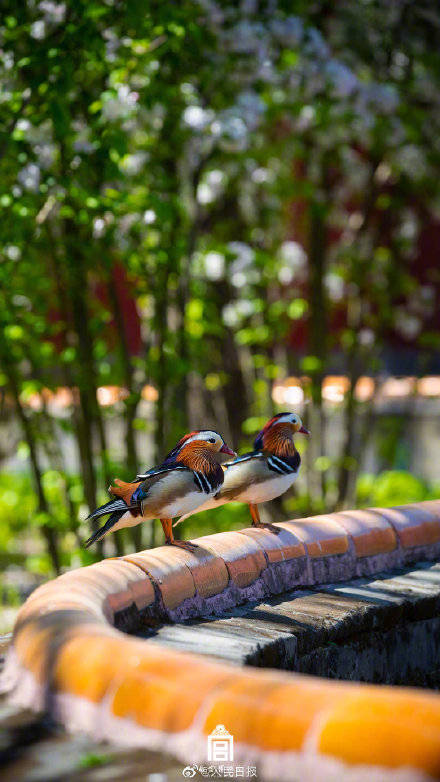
column 190, row 474
column 265, row 473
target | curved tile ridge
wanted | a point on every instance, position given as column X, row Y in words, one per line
column 67, row 656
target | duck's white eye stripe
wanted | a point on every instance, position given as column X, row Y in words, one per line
column 207, row 435
column 290, row 418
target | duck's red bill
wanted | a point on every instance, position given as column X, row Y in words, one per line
column 225, row 449
column 303, row 430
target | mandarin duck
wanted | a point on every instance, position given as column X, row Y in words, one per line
column 264, row 473
column 190, row 474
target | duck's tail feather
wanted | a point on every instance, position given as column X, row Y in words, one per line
column 109, row 524
column 109, row 507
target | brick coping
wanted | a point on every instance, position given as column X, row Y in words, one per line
column 67, row 655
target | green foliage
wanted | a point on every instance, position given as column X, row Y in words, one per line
column 17, row 507
column 94, row 759
column 243, row 175
column 393, row 487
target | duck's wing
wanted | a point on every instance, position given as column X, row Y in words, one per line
column 134, row 492
column 171, row 490
column 254, row 468
column 158, row 471
column 241, row 473
column 245, row 457
column 204, row 482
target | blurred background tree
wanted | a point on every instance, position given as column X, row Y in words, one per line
column 209, row 212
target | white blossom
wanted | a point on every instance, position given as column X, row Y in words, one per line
column 38, row 30
column 342, row 79
column 293, row 255
column 246, row 38
column 53, row 12
column 22, row 301
column 205, row 193
column 427, row 293
column 411, row 161
column 409, row 226
column 8, row 63
column 98, row 227
column 215, row 177
column 248, row 7
column 127, row 221
column 285, row 275
column 82, row 144
column 366, row 337
column 13, row 252
column 46, row 154
column 382, row 98
column 315, row 44
column 212, row 9
column 315, row 81
column 121, row 105
column 409, row 326
column 266, row 71
column 214, row 265
column 244, row 255
column 335, row 286
column 306, row 118
column 230, row 315
column 23, row 125
column 251, row 107
column 230, row 130
column 149, row 216
column 289, row 32
column 260, row 175
column 211, row 187
column 234, row 312
column 228, row 124
column 112, row 44
column 242, row 269
column 196, row 117
column 133, row 164
column 29, row 177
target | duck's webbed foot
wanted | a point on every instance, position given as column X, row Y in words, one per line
column 256, row 521
column 185, row 544
column 167, row 526
column 271, row 527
